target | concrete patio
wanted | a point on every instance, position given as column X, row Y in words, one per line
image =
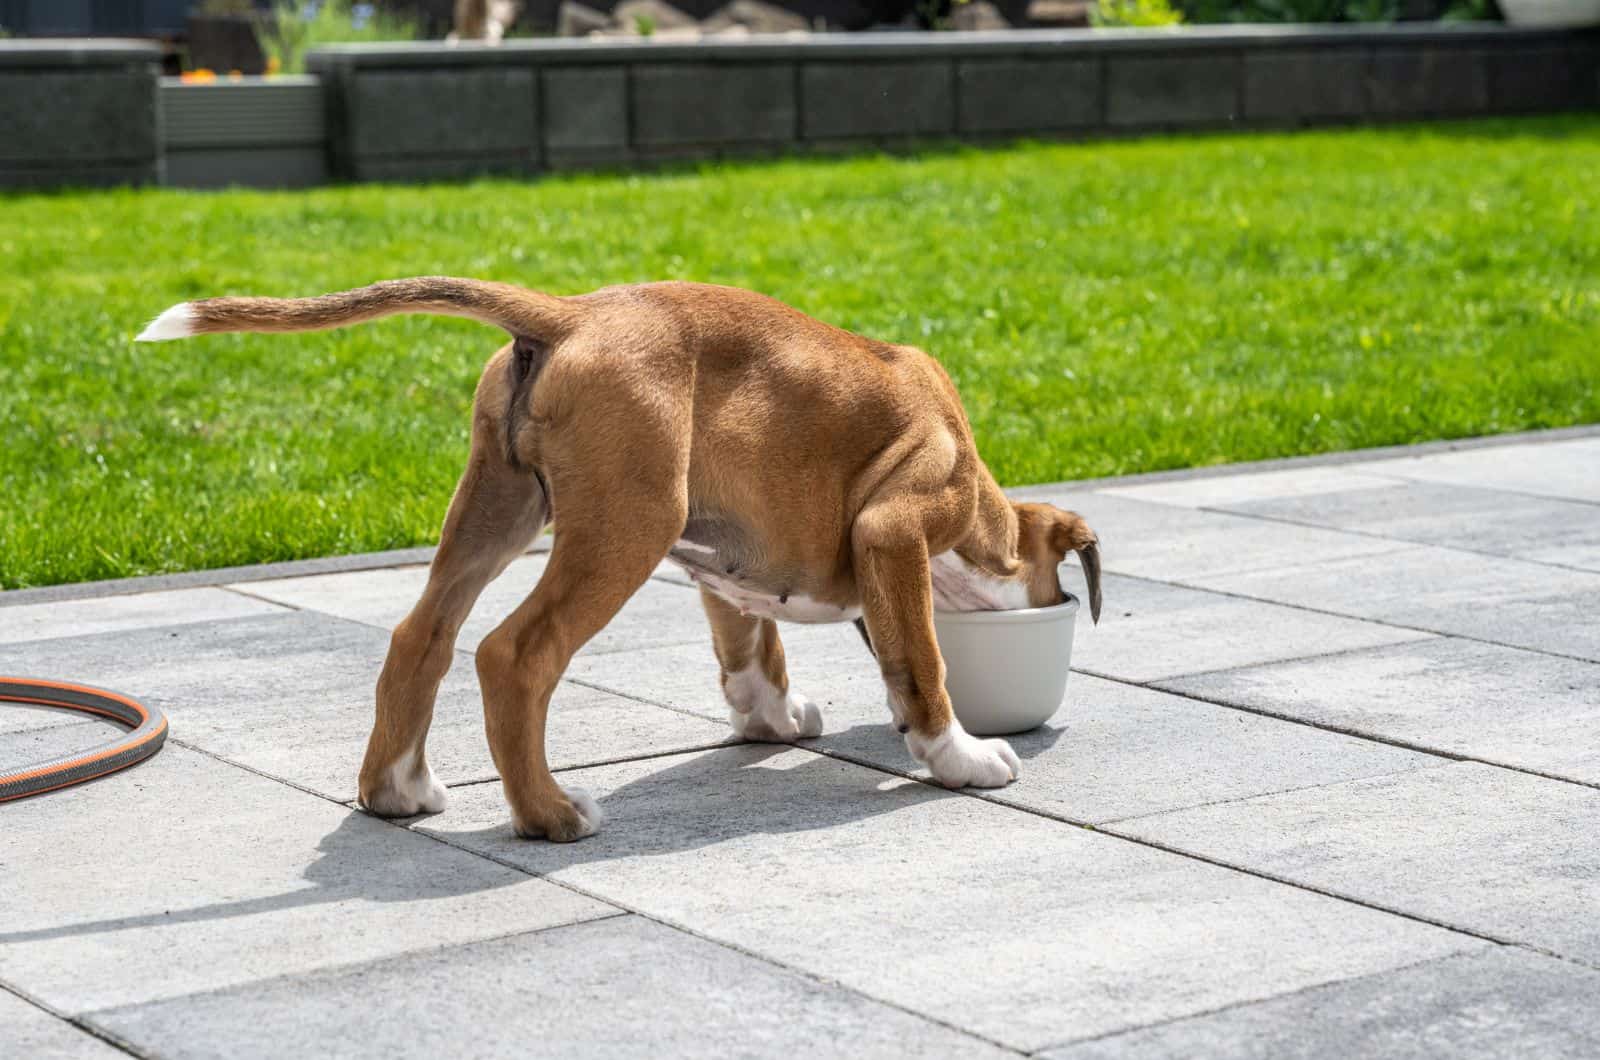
column 1324, row 785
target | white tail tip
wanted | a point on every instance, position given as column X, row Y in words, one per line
column 175, row 323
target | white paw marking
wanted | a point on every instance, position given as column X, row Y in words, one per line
column 758, row 711
column 590, row 816
column 588, row 809
column 957, row 759
column 411, row 789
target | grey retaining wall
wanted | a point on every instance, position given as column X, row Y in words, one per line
column 79, row 112
column 433, row 111
column 84, row 112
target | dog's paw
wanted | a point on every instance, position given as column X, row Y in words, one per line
column 573, row 817
column 408, row 788
column 957, row 759
column 758, row 710
column 780, row 719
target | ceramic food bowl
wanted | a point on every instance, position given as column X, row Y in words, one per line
column 1006, row 671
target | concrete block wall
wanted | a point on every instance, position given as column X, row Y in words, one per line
column 79, row 112
column 427, row 111
column 96, row 112
column 262, row 132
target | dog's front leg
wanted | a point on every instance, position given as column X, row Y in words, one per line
column 755, row 681
column 896, row 588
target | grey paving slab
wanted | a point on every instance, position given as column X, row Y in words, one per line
column 1517, row 708
column 1526, row 605
column 1112, row 750
column 1214, row 491
column 1168, row 543
column 1116, row 751
column 1021, row 929
column 1569, row 469
column 624, row 987
column 1518, row 525
column 29, row 1031
column 1151, row 630
column 1478, row 1006
column 31, row 746
column 71, row 618
column 291, row 695
column 187, row 874
column 1512, row 856
column 22, row 717
column 828, row 663
column 659, row 613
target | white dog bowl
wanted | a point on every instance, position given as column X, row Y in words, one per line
column 1006, row 671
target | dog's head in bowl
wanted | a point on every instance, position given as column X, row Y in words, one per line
column 1006, row 635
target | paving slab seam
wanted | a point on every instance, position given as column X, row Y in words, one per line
column 1247, row 1002
column 1106, row 830
column 1388, row 623
column 1337, row 457
column 1229, row 572
column 641, row 757
column 1529, row 494
column 77, row 1023
column 1392, row 741
column 580, row 682
column 370, row 962
column 1103, row 829
column 1301, row 885
column 248, row 595
column 388, row 559
column 1336, row 653
column 389, row 629
column 225, row 760
column 1593, row 966
column 735, row 947
column 1268, row 794
column 625, row 909
column 1284, row 520
column 215, row 577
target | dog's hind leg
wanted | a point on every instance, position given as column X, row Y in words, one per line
column 496, row 512
column 620, row 490
column 754, row 680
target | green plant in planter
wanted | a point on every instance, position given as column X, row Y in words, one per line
column 297, row 26
column 1140, row 13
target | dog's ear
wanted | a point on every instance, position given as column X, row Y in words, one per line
column 1069, row 533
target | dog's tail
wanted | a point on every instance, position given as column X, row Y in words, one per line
column 521, row 312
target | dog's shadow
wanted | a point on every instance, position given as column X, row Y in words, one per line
column 730, row 794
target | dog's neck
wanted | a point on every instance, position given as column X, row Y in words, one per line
column 986, row 572
column 961, row 586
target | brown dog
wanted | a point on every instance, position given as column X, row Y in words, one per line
column 797, row 471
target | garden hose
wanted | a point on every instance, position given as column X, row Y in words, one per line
column 148, row 725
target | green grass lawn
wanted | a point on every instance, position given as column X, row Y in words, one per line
column 1104, row 308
